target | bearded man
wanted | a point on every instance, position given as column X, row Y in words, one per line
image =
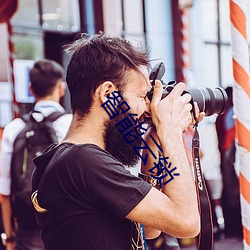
column 84, row 196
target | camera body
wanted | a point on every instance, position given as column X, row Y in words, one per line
column 210, row 101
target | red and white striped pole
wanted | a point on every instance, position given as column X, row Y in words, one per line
column 185, row 55
column 185, row 65
column 15, row 106
column 241, row 95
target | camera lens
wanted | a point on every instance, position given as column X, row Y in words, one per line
column 210, row 101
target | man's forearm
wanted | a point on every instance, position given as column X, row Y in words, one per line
column 151, row 233
column 181, row 190
column 150, row 160
column 173, row 148
column 7, row 215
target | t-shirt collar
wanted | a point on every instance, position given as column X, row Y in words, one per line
column 48, row 106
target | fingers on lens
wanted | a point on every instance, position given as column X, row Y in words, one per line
column 186, row 98
column 197, row 111
column 177, row 90
column 189, row 106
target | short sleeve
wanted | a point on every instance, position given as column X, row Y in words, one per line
column 61, row 126
column 107, row 182
column 10, row 133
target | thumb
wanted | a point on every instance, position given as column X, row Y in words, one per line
column 157, row 93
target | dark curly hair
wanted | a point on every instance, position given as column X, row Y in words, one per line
column 96, row 59
column 44, row 76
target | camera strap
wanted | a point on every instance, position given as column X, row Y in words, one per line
column 205, row 238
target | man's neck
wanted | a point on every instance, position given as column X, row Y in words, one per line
column 86, row 131
column 48, row 98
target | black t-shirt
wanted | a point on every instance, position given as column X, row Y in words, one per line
column 88, row 194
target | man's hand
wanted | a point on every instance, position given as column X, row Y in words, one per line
column 171, row 115
column 7, row 220
column 175, row 209
column 199, row 115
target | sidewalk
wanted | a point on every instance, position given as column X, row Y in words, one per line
column 223, row 244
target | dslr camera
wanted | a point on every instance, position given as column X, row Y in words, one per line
column 210, row 101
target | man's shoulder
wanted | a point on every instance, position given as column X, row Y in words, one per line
column 18, row 122
column 71, row 157
column 97, row 160
column 94, row 155
column 13, row 128
column 86, row 151
column 64, row 120
column 91, row 150
column 64, row 117
column 84, row 157
column 61, row 125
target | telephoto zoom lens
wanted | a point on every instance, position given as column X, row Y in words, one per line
column 210, row 101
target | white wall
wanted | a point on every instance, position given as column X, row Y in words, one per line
column 160, row 34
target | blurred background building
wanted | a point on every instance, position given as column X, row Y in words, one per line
column 191, row 37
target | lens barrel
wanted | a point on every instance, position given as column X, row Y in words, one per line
column 210, row 101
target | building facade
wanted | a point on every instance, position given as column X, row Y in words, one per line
column 193, row 42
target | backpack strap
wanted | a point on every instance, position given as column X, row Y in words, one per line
column 54, row 116
column 51, row 118
column 43, row 123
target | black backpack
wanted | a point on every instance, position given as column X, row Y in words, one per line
column 37, row 135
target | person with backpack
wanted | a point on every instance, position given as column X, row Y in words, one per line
column 23, row 139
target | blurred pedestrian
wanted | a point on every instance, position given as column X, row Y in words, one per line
column 225, row 126
column 47, row 85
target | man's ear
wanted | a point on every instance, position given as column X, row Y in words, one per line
column 104, row 90
column 31, row 90
column 62, row 88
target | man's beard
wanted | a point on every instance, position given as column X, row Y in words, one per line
column 116, row 144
